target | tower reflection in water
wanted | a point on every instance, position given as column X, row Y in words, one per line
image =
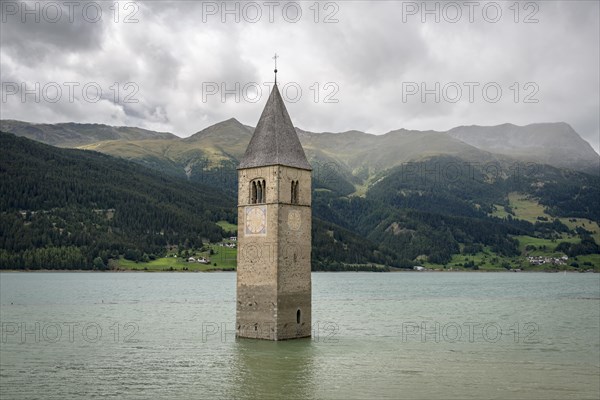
column 279, row 370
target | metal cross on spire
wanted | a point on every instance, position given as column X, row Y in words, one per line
column 275, row 57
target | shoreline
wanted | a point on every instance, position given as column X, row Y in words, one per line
column 233, row 271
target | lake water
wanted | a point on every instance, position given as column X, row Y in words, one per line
column 376, row 335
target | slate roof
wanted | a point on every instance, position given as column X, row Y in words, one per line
column 275, row 141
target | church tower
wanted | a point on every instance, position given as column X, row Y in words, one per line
column 274, row 231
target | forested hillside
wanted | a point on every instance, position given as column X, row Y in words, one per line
column 425, row 213
column 64, row 208
column 78, row 209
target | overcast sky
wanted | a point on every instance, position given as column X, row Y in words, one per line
column 342, row 65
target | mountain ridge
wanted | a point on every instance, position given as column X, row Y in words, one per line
column 72, row 134
column 355, row 153
column 554, row 143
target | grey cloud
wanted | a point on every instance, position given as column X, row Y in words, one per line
column 36, row 37
column 369, row 53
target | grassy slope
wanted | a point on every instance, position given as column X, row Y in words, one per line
column 528, row 209
column 587, row 224
column 224, row 257
column 525, row 207
column 228, row 227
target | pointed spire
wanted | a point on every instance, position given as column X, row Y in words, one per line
column 274, row 141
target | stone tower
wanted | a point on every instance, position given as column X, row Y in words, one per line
column 274, row 231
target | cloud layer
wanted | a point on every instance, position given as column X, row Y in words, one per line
column 371, row 66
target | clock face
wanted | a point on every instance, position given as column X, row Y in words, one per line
column 294, row 220
column 256, row 220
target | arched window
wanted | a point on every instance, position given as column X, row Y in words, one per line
column 253, row 193
column 258, row 191
column 298, row 315
column 294, row 194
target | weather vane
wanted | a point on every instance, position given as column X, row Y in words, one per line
column 275, row 57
